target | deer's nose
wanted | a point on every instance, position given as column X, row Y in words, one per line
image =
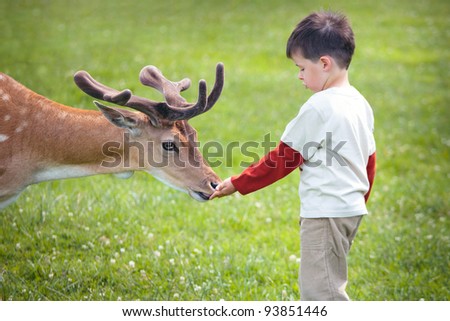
column 213, row 185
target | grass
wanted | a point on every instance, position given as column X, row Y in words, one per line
column 100, row 238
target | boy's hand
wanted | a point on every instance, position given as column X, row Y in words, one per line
column 223, row 189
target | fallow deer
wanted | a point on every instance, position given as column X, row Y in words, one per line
column 41, row 140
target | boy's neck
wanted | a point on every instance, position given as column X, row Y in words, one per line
column 337, row 78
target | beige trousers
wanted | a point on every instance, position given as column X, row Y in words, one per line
column 325, row 243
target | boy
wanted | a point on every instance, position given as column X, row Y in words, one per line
column 331, row 140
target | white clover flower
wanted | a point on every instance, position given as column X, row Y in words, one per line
column 131, row 264
column 157, row 253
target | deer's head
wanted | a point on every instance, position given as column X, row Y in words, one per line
column 162, row 128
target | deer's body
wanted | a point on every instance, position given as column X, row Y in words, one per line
column 41, row 140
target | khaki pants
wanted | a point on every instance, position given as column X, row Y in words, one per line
column 325, row 243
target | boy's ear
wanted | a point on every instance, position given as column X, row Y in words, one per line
column 120, row 118
column 327, row 62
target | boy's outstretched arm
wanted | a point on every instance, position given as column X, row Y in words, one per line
column 275, row 165
column 223, row 189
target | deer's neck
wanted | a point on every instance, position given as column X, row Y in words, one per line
column 65, row 142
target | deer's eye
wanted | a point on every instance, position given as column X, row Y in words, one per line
column 170, row 146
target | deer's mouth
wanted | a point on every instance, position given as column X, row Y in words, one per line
column 200, row 196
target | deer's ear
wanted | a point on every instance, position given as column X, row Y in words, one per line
column 120, row 118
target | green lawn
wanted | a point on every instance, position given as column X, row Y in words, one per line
column 101, row 238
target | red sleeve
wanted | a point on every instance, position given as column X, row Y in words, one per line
column 370, row 173
column 274, row 166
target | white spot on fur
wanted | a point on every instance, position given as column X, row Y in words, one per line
column 6, row 97
column 21, row 127
column 7, row 117
column 3, row 138
column 2, row 78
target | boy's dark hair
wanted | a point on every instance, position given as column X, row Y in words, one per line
column 323, row 33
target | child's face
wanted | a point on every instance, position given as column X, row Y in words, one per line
column 314, row 75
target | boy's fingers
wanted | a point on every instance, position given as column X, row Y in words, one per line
column 223, row 189
column 214, row 195
column 217, row 193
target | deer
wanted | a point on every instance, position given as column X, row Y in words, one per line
column 42, row 140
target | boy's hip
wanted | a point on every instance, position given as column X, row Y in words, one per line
column 329, row 233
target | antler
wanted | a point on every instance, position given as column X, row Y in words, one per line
column 175, row 107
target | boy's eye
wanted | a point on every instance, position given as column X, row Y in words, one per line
column 170, row 146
